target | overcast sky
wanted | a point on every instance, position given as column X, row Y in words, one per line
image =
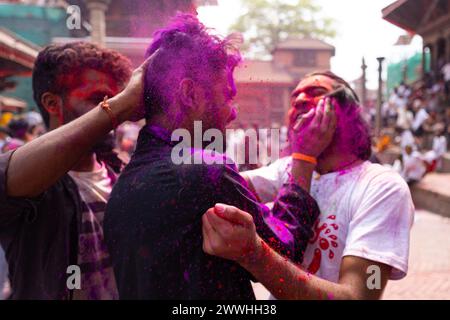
column 361, row 31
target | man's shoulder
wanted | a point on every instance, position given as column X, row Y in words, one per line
column 196, row 166
column 206, row 165
column 384, row 179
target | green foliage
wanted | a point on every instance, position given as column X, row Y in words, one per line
column 268, row 22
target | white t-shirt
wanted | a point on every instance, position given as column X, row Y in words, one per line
column 366, row 211
column 446, row 72
column 405, row 118
column 420, row 118
column 413, row 167
column 407, row 139
column 440, row 145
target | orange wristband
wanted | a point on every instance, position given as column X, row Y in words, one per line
column 105, row 106
column 304, row 157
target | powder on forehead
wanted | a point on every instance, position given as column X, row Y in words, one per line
column 317, row 81
column 87, row 79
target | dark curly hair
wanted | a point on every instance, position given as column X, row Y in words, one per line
column 58, row 61
column 186, row 48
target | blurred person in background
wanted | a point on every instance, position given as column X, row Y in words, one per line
column 405, row 118
column 4, row 137
column 446, row 74
column 22, row 130
column 3, row 275
column 20, row 133
column 420, row 116
column 127, row 135
column 439, row 149
column 414, row 167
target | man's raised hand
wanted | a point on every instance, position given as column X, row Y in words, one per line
column 314, row 131
column 130, row 102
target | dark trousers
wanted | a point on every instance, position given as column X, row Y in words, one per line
column 447, row 90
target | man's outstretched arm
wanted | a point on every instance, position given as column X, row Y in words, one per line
column 230, row 233
column 37, row 165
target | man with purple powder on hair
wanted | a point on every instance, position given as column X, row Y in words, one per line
column 153, row 218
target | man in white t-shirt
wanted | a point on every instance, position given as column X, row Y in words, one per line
column 446, row 73
column 435, row 155
column 361, row 239
column 421, row 116
column 414, row 166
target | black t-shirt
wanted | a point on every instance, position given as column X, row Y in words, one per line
column 153, row 226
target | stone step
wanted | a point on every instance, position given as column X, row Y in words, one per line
column 389, row 156
column 432, row 193
column 446, row 163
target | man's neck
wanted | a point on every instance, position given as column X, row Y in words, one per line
column 169, row 125
column 163, row 122
column 333, row 160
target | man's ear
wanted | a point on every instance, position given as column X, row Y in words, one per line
column 52, row 103
column 187, row 92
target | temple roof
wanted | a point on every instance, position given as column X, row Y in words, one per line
column 415, row 15
column 17, row 55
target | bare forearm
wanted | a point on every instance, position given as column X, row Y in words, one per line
column 287, row 281
column 302, row 173
column 39, row 164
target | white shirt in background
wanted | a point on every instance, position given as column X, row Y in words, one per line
column 420, row 118
column 413, row 167
column 446, row 72
column 440, row 145
column 405, row 118
column 407, row 139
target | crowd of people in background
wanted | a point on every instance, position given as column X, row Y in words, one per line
column 419, row 114
column 18, row 129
